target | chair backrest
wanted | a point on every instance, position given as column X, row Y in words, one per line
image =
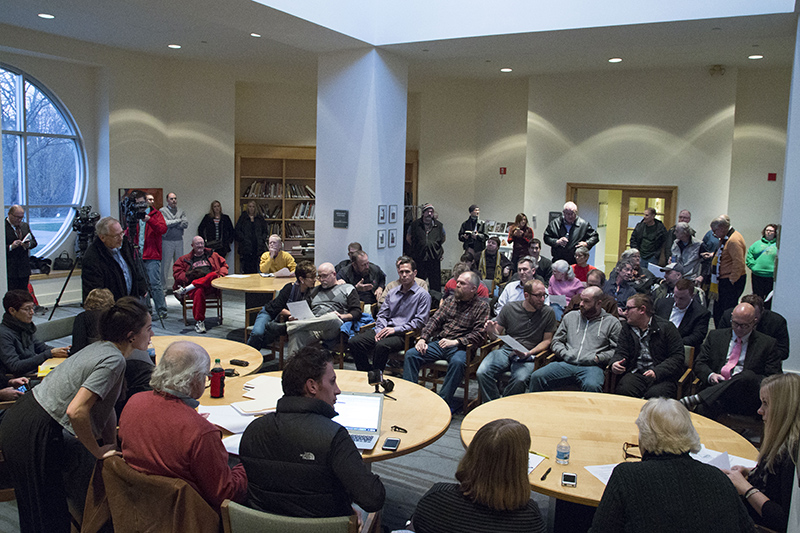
column 54, row 329
column 240, row 519
column 688, row 356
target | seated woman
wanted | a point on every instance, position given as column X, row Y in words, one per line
column 163, row 435
column 20, row 352
column 492, row 495
column 276, row 310
column 668, row 490
column 563, row 283
column 84, row 329
column 41, row 436
column 767, row 488
column 582, row 266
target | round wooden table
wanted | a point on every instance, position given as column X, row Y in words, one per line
column 251, row 283
column 596, row 425
column 221, row 349
column 418, row 410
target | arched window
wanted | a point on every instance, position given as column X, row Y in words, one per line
column 44, row 163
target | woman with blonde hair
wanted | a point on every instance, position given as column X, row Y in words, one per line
column 493, row 493
column 767, row 488
column 84, row 328
column 217, row 230
column 668, row 490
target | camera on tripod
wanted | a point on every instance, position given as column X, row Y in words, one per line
column 84, row 224
column 132, row 209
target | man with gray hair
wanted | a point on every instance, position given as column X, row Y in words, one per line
column 172, row 240
column 728, row 273
column 163, row 435
column 460, row 321
column 108, row 263
column 567, row 232
column 19, row 240
column 686, row 252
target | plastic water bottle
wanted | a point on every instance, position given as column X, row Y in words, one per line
column 562, row 451
column 218, row 381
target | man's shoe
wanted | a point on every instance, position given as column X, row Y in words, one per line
column 200, row 326
column 179, row 293
column 162, row 314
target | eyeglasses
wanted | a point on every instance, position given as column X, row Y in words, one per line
column 27, row 308
column 626, row 454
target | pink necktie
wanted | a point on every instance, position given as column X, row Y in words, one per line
column 732, row 359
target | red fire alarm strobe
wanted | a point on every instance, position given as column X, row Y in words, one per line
column 502, row 171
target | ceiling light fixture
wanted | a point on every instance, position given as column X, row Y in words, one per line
column 506, row 69
column 615, row 60
column 255, row 35
column 47, row 16
column 755, row 56
column 174, row 46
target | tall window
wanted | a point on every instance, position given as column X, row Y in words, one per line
column 43, row 158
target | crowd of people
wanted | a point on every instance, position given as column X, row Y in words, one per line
column 627, row 334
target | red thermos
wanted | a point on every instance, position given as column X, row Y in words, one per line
column 217, row 380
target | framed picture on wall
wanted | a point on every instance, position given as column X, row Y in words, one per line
column 381, row 238
column 392, row 214
column 381, row 214
column 392, row 238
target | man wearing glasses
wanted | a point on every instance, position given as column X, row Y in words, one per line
column 108, row 263
column 19, row 240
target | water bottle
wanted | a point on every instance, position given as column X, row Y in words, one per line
column 218, row 381
column 562, row 451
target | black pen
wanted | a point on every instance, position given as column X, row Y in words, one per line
column 545, row 474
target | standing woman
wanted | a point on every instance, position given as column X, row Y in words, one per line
column 520, row 235
column 251, row 237
column 217, row 230
column 77, row 396
column 761, row 261
column 767, row 488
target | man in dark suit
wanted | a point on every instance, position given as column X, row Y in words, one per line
column 685, row 312
column 109, row 263
column 732, row 363
column 767, row 322
column 19, row 240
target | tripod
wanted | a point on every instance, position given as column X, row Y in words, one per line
column 78, row 257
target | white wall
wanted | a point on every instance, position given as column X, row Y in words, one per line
column 269, row 113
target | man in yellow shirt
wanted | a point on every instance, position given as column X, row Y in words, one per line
column 274, row 258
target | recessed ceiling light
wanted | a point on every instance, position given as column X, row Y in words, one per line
column 755, row 56
column 47, row 16
column 255, row 35
column 615, row 60
column 174, row 46
column 506, row 69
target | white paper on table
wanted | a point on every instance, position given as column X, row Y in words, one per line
column 602, row 472
column 266, row 274
column 226, row 417
column 232, row 443
column 722, row 461
column 300, row 310
column 237, row 275
column 263, row 381
column 513, row 343
column 284, row 273
column 257, row 406
column 534, row 461
column 655, row 269
column 706, row 455
column 558, row 299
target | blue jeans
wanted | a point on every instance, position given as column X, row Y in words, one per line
column 457, row 361
column 496, row 363
column 153, row 269
column 258, row 337
column 559, row 374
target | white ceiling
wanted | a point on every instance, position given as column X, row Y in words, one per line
column 218, row 30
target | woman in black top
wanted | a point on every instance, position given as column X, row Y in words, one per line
column 251, row 238
column 217, row 230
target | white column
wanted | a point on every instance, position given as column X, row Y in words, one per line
column 361, row 140
column 789, row 256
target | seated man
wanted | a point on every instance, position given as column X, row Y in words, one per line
column 352, row 248
column 458, row 269
column 20, row 352
column 621, row 286
column 193, row 275
column 544, row 266
column 275, row 258
column 585, row 342
column 459, row 321
column 768, row 322
column 529, row 322
column 663, row 287
column 515, row 290
column 332, row 306
column 595, row 278
column 649, row 353
column 298, row 461
column 732, row 363
column 685, row 312
column 406, row 309
column 265, row 328
column 162, row 434
column 493, row 265
column 396, row 283
column 368, row 278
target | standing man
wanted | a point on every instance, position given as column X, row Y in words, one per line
column 151, row 228
column 352, row 248
column 648, row 237
column 19, row 240
column 368, row 278
column 565, row 233
column 473, row 232
column 193, row 275
column 649, row 353
column 684, row 216
column 425, row 238
column 406, row 308
column 108, row 263
column 298, row 461
column 275, row 258
column 728, row 271
column 459, row 321
column 172, row 240
column 528, row 322
column 685, row 312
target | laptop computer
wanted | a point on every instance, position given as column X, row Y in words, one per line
column 360, row 413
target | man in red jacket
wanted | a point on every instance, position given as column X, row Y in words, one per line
column 193, row 275
column 148, row 238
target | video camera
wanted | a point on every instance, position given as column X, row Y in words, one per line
column 132, row 210
column 84, row 224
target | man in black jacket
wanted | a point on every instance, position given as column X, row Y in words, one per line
column 298, row 461
column 19, row 240
column 767, row 322
column 649, row 353
column 108, row 263
column 567, row 232
column 685, row 312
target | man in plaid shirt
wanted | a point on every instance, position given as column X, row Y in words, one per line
column 459, row 321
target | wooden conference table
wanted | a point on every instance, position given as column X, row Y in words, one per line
column 596, row 425
column 418, row 410
column 255, row 287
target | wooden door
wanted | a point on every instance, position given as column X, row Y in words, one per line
column 635, row 201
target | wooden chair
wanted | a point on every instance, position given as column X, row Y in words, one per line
column 237, row 518
column 6, row 490
column 213, row 301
